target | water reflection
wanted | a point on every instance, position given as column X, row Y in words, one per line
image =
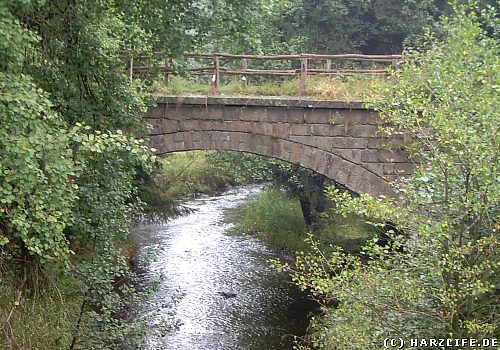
column 198, row 259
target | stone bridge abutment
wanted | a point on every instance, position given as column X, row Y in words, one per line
column 340, row 140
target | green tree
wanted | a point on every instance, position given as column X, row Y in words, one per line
column 66, row 166
column 36, row 161
column 338, row 26
column 445, row 283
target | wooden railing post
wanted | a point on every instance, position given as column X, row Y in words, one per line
column 328, row 65
column 303, row 76
column 395, row 64
column 215, row 77
column 166, row 76
column 244, row 67
column 130, row 67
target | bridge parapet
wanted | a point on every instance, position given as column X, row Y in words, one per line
column 338, row 139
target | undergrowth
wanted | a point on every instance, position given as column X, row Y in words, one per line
column 277, row 216
column 348, row 87
column 40, row 322
column 188, row 173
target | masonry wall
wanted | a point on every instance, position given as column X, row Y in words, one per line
column 340, row 140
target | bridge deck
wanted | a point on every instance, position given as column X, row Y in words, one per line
column 260, row 101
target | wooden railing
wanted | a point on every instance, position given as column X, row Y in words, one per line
column 310, row 64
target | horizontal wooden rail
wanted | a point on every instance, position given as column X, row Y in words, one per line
column 348, row 57
column 216, row 70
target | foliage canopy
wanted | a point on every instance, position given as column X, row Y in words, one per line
column 445, row 282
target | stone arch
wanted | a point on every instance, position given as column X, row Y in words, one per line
column 348, row 173
column 337, row 139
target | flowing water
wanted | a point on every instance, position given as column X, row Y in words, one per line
column 198, row 256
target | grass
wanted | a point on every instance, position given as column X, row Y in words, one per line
column 348, row 88
column 188, row 173
column 277, row 216
column 37, row 323
column 184, row 174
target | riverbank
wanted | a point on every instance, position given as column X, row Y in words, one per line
column 277, row 217
column 188, row 174
column 57, row 310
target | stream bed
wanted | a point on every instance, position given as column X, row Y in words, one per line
column 198, row 256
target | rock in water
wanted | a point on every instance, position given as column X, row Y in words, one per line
column 227, row 294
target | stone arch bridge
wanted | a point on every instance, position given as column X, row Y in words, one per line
column 337, row 139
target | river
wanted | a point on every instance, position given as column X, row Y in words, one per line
column 199, row 255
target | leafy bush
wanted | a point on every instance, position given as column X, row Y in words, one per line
column 444, row 285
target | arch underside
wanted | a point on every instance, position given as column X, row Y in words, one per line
column 337, row 166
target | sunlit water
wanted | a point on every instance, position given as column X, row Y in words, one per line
column 198, row 256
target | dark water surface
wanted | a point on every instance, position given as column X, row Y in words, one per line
column 198, row 256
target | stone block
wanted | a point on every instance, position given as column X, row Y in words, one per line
column 197, row 136
column 322, row 142
column 339, row 142
column 287, row 146
column 359, row 116
column 225, row 136
column 206, row 125
column 177, row 113
column 340, row 175
column 251, row 114
column 178, row 146
column 219, row 125
column 275, row 114
column 188, row 125
column 211, row 139
column 243, row 127
column 305, row 140
column 319, row 162
column 377, row 168
column 317, row 116
column 158, row 142
column 213, row 112
column 305, row 159
column 275, row 148
column 338, row 130
column 295, row 115
column 188, row 140
column 169, row 126
column 300, row 129
column 179, row 136
column 349, row 117
column 231, row 113
column 320, row 129
column 362, row 131
column 383, row 156
column 280, row 130
column 225, row 145
column 155, row 112
column 266, row 128
column 262, row 149
column 353, row 155
column 308, row 151
column 374, row 119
